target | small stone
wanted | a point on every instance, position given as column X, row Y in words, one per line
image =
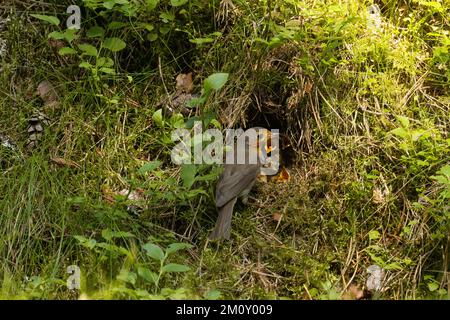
column 39, row 127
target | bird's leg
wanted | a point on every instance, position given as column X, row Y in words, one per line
column 244, row 199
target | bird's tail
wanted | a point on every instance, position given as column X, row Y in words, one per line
column 223, row 224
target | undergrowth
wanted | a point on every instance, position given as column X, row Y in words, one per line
column 362, row 99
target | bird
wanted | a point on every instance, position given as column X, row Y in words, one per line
column 236, row 181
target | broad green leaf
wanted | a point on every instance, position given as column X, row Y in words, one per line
column 107, row 70
column 113, row 248
column 404, row 121
column 152, row 36
column 85, row 65
column 56, row 35
column 50, row 19
column 109, row 4
column 66, row 50
column 114, row 44
column 165, row 29
column 174, row 247
column 88, row 49
column 127, row 276
column 151, row 4
column 116, row 25
column 158, row 118
column 188, row 172
column 445, row 170
column 174, row 267
column 154, row 251
column 148, row 275
column 149, row 166
column 95, row 32
column 177, row 3
column 70, row 35
column 215, row 81
column 213, row 295
column 400, row 132
column 433, row 286
column 148, row 26
column 167, row 16
column 374, row 235
column 105, row 62
column 108, row 234
column 88, row 243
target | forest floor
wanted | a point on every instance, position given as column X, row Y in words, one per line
column 359, row 90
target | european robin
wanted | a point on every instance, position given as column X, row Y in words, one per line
column 236, row 180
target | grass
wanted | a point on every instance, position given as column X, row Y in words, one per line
column 366, row 114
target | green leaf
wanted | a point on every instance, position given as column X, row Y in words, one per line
column 88, row 243
column 152, row 36
column 215, row 81
column 66, row 50
column 154, row 251
column 174, row 267
column 433, row 286
column 400, row 132
column 213, row 295
column 158, row 118
column 114, row 44
column 188, row 172
column 56, row 35
column 116, row 25
column 374, row 235
column 88, row 49
column 445, row 170
column 147, row 275
column 177, row 3
column 50, row 19
column 85, row 65
column 95, row 32
column 404, row 121
column 148, row 26
column 107, row 70
column 70, row 35
column 151, row 4
column 149, row 166
column 165, row 29
column 109, row 4
column 127, row 276
column 174, row 247
column 108, row 234
column 105, row 62
column 167, row 16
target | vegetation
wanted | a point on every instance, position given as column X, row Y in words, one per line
column 86, row 178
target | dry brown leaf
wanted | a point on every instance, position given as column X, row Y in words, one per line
column 47, row 92
column 184, row 83
column 277, row 216
column 57, row 44
column 308, row 87
column 65, row 162
column 353, row 293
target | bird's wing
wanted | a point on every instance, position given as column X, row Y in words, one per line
column 234, row 180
